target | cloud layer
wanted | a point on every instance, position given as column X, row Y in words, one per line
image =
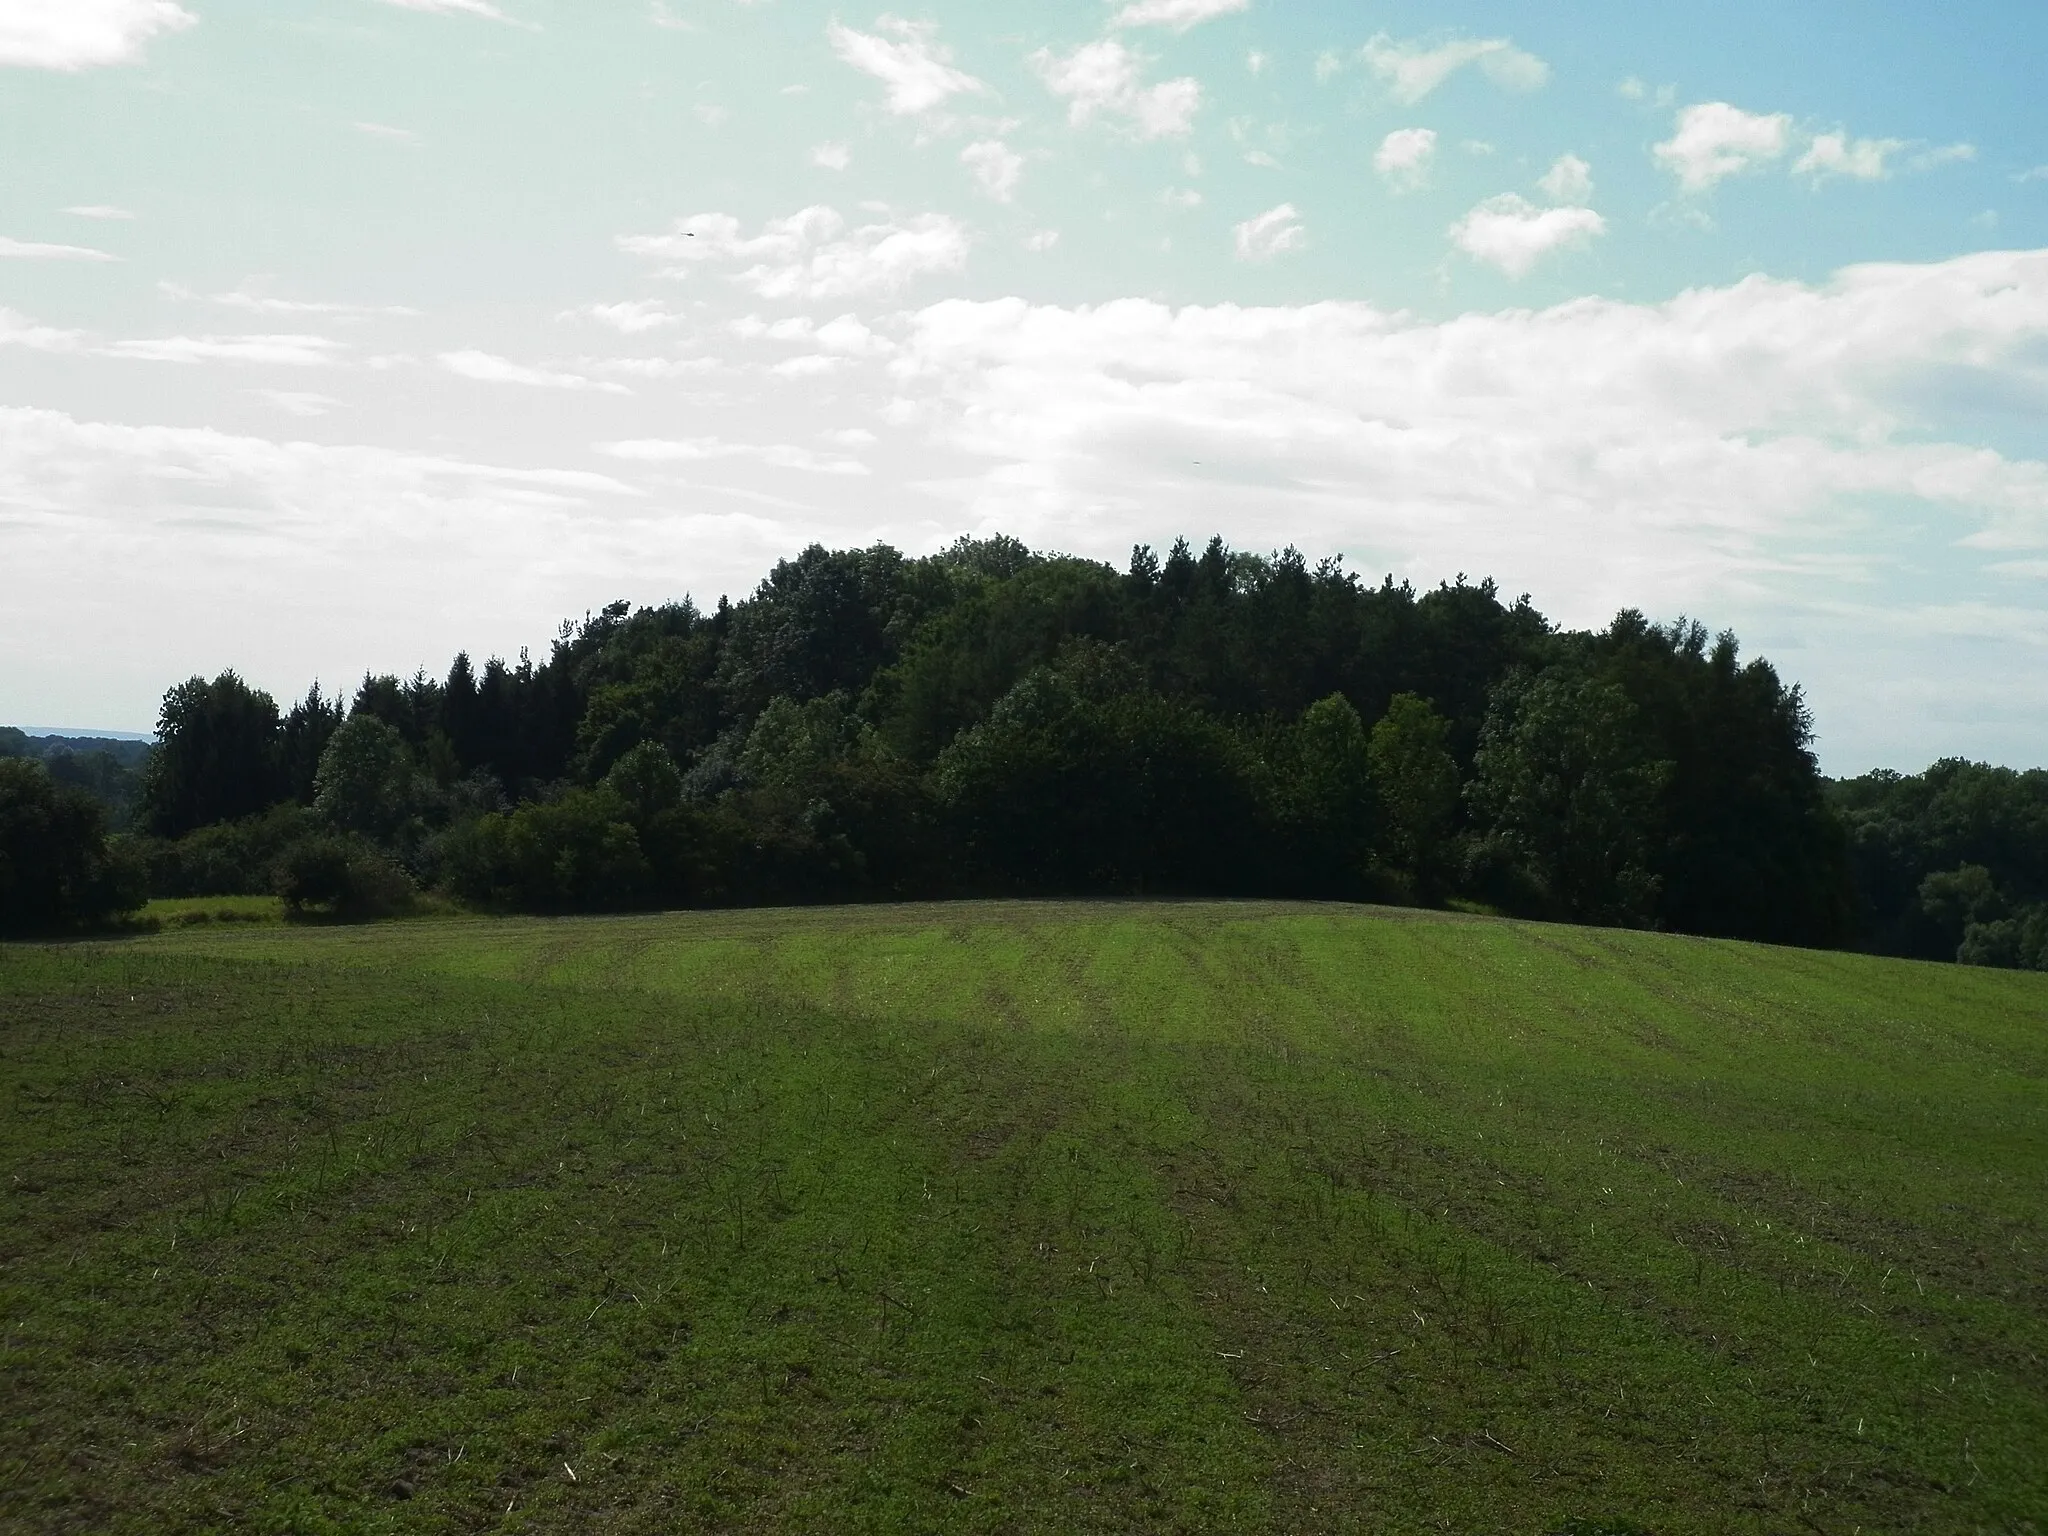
column 72, row 35
column 811, row 254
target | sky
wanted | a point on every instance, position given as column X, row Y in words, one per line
column 339, row 335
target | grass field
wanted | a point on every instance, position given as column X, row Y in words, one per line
column 1018, row 1218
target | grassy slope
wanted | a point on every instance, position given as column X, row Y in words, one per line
column 1032, row 1217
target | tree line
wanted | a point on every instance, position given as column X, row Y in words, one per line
column 990, row 720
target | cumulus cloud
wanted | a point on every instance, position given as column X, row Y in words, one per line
column 832, row 157
column 997, row 168
column 632, row 317
column 697, row 450
column 1513, row 234
column 1177, row 14
column 1404, row 158
column 1715, row 140
column 271, row 351
column 487, row 368
column 269, row 304
column 34, row 250
column 1836, row 154
column 1412, row 70
column 1040, row 240
column 1272, row 233
column 1569, row 180
column 19, row 331
column 72, row 35
column 337, row 555
column 906, row 57
column 812, row 254
column 1102, row 78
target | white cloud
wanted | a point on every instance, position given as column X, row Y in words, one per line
column 1714, row 141
column 632, row 317
column 1102, row 77
column 1257, row 61
column 1177, row 14
column 337, row 556
column 1328, row 66
column 1836, row 154
column 910, row 61
column 481, row 8
column 487, row 368
column 1041, row 240
column 1181, row 197
column 697, row 450
column 1273, row 233
column 997, row 168
column 811, row 254
column 832, row 157
column 83, row 34
column 1411, row 70
column 1569, row 180
column 262, row 351
column 1404, row 158
column 99, row 211
column 269, row 304
column 386, row 132
column 32, row 250
column 299, row 403
column 710, row 114
column 1513, row 234
column 20, row 331
column 1943, row 154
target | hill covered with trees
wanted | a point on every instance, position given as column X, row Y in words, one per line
column 990, row 720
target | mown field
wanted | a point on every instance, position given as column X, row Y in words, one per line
column 1018, row 1218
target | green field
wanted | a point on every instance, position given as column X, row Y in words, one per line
column 1030, row 1217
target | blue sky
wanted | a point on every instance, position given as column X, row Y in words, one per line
column 339, row 334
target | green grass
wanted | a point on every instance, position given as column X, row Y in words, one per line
column 202, row 911
column 1018, row 1218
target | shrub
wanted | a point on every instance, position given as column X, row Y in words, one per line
column 343, row 878
column 580, row 853
column 237, row 858
column 57, row 871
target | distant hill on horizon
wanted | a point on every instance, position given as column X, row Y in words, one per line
column 69, row 734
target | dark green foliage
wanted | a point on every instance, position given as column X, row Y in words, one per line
column 861, row 727
column 1566, row 788
column 365, row 783
column 104, row 776
column 1743, row 843
column 302, row 739
column 823, row 622
column 57, row 872
column 579, row 853
column 341, row 877
column 1083, row 780
column 236, row 858
column 1417, row 782
column 1949, row 860
column 217, row 756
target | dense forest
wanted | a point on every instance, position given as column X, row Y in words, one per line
column 990, row 720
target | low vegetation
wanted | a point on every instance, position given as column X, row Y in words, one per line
column 1009, row 1217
